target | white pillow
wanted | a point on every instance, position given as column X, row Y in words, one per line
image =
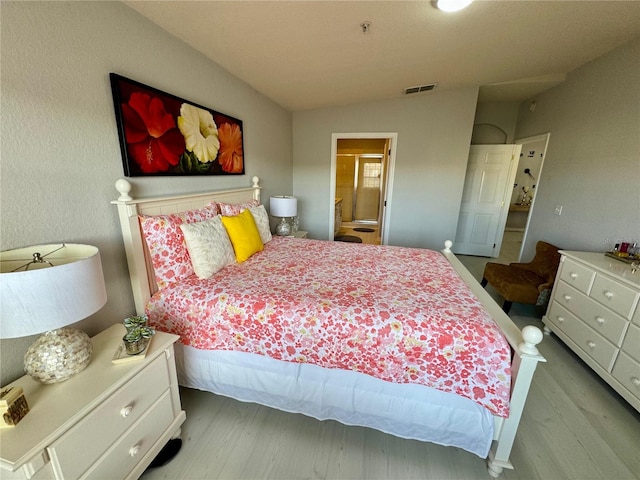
column 209, row 246
column 262, row 222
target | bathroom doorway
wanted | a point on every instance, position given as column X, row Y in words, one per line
column 362, row 169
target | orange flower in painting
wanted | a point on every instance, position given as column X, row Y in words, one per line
column 153, row 139
column 230, row 155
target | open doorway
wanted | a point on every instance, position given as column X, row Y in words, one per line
column 361, row 180
column 525, row 186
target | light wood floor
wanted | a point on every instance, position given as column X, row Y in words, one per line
column 574, row 427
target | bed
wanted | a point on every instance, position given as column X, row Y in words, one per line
column 365, row 335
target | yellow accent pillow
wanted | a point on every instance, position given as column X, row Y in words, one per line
column 244, row 235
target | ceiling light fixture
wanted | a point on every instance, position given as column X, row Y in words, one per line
column 452, row 5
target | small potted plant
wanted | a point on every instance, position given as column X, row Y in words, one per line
column 137, row 338
column 135, row 321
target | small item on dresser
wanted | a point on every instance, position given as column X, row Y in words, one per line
column 623, row 256
column 13, row 406
column 122, row 356
column 137, row 339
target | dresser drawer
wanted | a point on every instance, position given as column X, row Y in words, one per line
column 577, row 275
column 631, row 344
column 627, row 372
column 607, row 323
column 592, row 343
column 636, row 316
column 84, row 443
column 614, row 295
column 135, row 443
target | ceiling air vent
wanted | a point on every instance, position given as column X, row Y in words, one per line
column 420, row 88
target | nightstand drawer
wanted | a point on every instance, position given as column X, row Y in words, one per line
column 81, row 446
column 627, row 372
column 608, row 324
column 577, row 275
column 134, row 445
column 614, row 295
column 592, row 343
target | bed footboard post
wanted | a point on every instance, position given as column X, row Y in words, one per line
column 525, row 361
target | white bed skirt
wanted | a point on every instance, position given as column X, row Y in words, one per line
column 404, row 410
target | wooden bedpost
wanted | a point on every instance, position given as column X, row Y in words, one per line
column 525, row 360
column 523, row 366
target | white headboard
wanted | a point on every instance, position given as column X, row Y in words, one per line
column 141, row 272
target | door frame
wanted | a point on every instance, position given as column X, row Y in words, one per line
column 523, row 141
column 392, row 137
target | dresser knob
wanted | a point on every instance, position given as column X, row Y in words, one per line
column 560, row 319
column 636, row 381
column 591, row 344
column 567, row 297
column 608, row 294
column 574, row 275
column 600, row 320
column 126, row 411
column 133, row 451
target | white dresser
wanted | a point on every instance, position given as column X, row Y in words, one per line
column 595, row 310
column 107, row 422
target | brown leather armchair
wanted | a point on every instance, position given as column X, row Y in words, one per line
column 524, row 282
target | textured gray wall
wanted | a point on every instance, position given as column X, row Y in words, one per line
column 60, row 154
column 434, row 133
column 592, row 166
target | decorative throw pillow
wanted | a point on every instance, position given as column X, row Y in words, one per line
column 232, row 209
column 243, row 234
column 165, row 240
column 262, row 222
column 208, row 245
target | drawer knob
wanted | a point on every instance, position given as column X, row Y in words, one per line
column 574, row 275
column 591, row 344
column 608, row 294
column 560, row 319
column 636, row 381
column 567, row 297
column 126, row 411
column 600, row 320
column 133, row 451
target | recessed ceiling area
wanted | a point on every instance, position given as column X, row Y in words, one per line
column 312, row 54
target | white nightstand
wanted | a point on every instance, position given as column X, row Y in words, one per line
column 299, row 234
column 109, row 421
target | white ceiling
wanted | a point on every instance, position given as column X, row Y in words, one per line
column 309, row 54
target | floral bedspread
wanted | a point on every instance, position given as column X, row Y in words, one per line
column 399, row 314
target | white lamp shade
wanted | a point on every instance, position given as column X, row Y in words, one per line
column 283, row 206
column 46, row 297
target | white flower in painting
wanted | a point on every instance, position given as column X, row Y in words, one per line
column 200, row 132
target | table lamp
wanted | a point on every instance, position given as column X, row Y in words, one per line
column 283, row 206
column 43, row 289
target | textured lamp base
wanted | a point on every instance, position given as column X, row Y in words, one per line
column 283, row 228
column 58, row 355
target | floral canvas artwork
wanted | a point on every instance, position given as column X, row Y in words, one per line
column 161, row 134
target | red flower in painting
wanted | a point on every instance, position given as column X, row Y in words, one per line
column 154, row 141
column 230, row 155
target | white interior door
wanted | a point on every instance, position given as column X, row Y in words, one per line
column 485, row 199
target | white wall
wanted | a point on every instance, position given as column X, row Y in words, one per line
column 59, row 146
column 592, row 165
column 434, row 133
column 490, row 118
